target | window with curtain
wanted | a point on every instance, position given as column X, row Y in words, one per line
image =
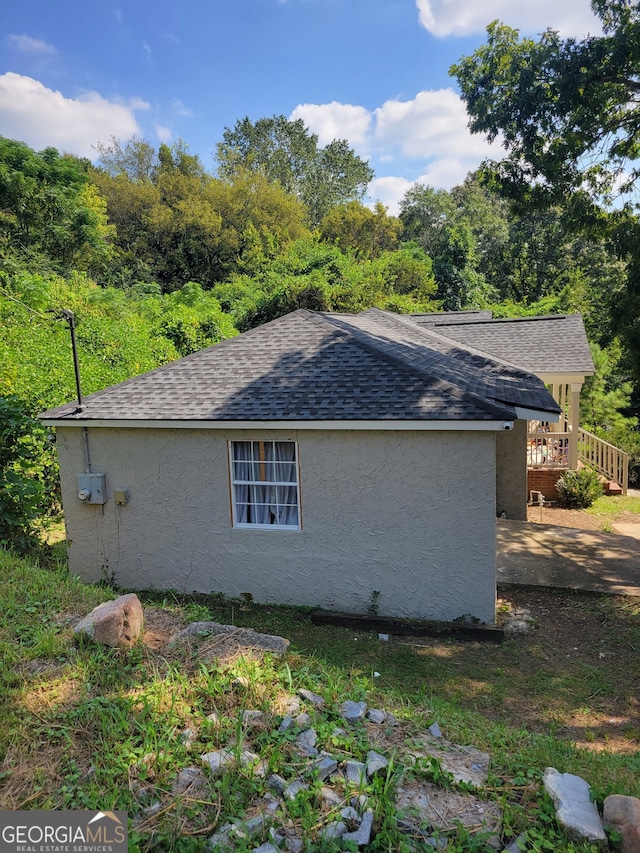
column 264, row 483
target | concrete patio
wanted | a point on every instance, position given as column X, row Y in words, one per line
column 530, row 554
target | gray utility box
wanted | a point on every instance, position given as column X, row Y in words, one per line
column 92, row 488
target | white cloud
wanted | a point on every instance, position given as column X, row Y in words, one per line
column 463, row 17
column 26, row 44
column 433, row 124
column 181, row 109
column 163, row 133
column 389, row 191
column 43, row 117
column 335, row 121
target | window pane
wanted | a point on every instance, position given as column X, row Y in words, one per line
column 265, row 483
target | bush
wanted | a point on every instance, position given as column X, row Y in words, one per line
column 579, row 489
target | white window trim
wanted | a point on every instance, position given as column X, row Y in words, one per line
column 238, row 525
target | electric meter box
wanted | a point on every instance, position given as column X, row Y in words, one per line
column 92, row 488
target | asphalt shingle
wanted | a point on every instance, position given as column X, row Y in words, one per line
column 312, row 366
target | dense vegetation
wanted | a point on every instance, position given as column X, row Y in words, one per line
column 158, row 258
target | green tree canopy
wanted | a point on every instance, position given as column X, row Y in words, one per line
column 285, row 152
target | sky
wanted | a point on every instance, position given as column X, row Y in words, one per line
column 373, row 72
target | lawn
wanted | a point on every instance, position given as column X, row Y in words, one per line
column 88, row 727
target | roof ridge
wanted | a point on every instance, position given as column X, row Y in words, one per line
column 404, row 320
column 502, row 410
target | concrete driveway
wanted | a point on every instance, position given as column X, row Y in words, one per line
column 530, row 554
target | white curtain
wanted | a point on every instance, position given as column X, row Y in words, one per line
column 265, row 483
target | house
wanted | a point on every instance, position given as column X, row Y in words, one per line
column 327, row 460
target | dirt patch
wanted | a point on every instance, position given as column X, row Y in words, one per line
column 566, row 517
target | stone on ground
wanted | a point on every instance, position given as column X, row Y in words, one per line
column 421, row 803
column 116, row 623
column 623, row 814
column 575, row 812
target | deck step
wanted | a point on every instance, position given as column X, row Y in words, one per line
column 612, row 488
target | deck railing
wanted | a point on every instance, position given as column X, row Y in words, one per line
column 608, row 460
column 551, row 450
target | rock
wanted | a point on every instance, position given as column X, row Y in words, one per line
column 376, row 716
column 376, row 764
column 362, row 835
column 214, row 718
column 324, row 766
column 276, row 783
column 287, row 724
column 575, row 812
column 306, row 742
column 623, row 814
column 252, row 718
column 350, row 815
column 190, row 780
column 231, row 638
column 352, row 712
column 294, row 845
column 187, row 736
column 290, row 705
column 355, row 771
column 360, row 803
column 217, row 760
column 390, row 719
column 293, row 789
column 221, row 841
column 266, row 848
column 434, row 730
column 517, row 845
column 422, row 803
column 312, row 698
column 303, row 721
column 249, row 828
column 117, row 623
column 330, row 798
column 465, row 763
column 333, row 831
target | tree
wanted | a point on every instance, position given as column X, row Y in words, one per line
column 286, row 153
column 567, row 111
column 568, row 114
column 367, row 233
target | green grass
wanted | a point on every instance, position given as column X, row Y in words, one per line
column 612, row 506
column 88, row 727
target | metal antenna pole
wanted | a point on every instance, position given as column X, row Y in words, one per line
column 69, row 316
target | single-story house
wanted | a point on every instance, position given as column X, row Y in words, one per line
column 331, row 460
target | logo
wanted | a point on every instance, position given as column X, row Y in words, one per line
column 63, row 832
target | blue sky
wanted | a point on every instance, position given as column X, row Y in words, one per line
column 374, row 72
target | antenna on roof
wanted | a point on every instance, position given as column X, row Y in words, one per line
column 65, row 314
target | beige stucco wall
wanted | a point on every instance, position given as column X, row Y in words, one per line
column 511, row 472
column 409, row 514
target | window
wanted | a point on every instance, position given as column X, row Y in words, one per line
column 264, row 483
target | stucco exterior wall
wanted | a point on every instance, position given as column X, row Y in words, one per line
column 410, row 515
column 511, row 472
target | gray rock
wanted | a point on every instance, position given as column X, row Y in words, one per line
column 362, row 835
column 252, row 718
column 333, row 831
column 330, row 798
column 390, row 719
column 293, row 789
column 324, row 766
column 214, row 718
column 287, row 724
column 294, row 845
column 276, row 783
column 306, row 741
column 350, row 814
column 217, row 760
column 518, row 845
column 360, row 803
column 355, row 771
column 220, row 840
column 303, row 721
column 249, row 828
column 575, row 812
column 187, row 736
column 465, row 763
column 376, row 716
column 190, row 780
column 267, row 847
column 338, row 732
column 434, row 730
column 623, row 814
column 291, row 705
column 312, row 698
column 352, row 712
column 118, row 623
column 376, row 764
column 242, row 638
column 421, row 803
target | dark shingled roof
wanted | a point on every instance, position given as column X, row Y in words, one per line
column 309, row 366
column 556, row 343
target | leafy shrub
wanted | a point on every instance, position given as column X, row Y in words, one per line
column 27, row 474
column 579, row 489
